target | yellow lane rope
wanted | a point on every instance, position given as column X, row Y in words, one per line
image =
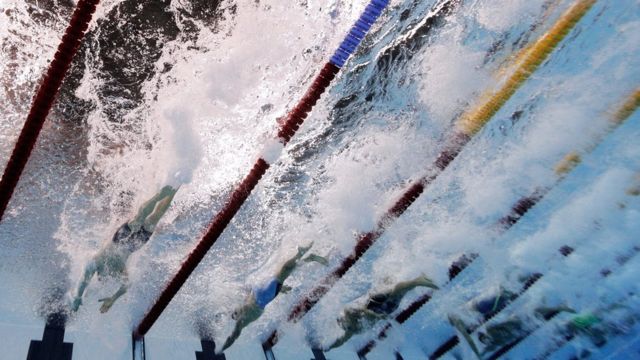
column 530, row 59
column 621, row 113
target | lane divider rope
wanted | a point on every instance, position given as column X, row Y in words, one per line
column 469, row 124
column 44, row 98
column 518, row 210
column 604, row 273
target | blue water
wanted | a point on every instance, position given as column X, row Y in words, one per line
column 196, row 87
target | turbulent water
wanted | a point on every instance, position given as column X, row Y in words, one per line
column 189, row 91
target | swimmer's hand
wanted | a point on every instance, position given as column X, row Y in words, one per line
column 106, row 304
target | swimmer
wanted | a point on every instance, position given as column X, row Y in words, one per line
column 260, row 297
column 130, row 237
column 378, row 307
column 500, row 334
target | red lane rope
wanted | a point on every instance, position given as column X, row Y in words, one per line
column 294, row 120
column 366, row 240
column 45, row 96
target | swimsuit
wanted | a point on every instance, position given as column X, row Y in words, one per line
column 264, row 295
column 383, row 304
column 132, row 240
column 488, row 307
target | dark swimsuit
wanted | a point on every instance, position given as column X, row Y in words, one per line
column 383, row 304
column 490, row 306
column 133, row 240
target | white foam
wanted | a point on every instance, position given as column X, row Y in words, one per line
column 203, row 121
column 500, row 16
column 272, row 150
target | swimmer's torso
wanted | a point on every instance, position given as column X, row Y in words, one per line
column 129, row 239
column 265, row 294
column 111, row 261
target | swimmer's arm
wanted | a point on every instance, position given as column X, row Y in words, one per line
column 89, row 271
column 108, row 302
column 462, row 329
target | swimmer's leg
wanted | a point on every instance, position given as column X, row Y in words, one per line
column 152, row 220
column 292, row 263
column 404, row 287
column 316, row 258
column 246, row 315
column 401, row 289
column 148, row 207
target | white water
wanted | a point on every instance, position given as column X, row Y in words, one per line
column 208, row 107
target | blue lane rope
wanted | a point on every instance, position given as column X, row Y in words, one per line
column 350, row 43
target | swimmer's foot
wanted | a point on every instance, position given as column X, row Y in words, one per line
column 317, row 258
column 168, row 190
column 303, row 250
column 426, row 282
